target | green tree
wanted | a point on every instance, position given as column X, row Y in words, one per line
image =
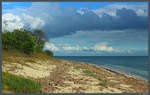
column 24, row 41
column 39, row 34
column 21, row 40
column 8, row 39
column 48, row 52
column 39, row 40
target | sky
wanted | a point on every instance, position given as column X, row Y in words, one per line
column 84, row 28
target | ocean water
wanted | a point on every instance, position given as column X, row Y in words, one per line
column 135, row 65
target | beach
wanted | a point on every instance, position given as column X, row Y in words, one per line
column 64, row 76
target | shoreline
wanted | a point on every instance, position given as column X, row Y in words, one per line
column 117, row 71
column 110, row 69
column 134, row 75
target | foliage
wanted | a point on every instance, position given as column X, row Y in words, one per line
column 23, row 40
column 48, row 52
column 18, row 39
column 19, row 84
column 39, row 34
column 39, row 40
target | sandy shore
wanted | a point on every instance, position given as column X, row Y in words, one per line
column 119, row 72
column 62, row 76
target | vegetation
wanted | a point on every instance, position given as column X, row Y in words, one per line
column 24, row 41
column 88, row 72
column 77, row 67
column 48, row 52
column 19, row 84
column 91, row 73
column 39, row 40
column 104, row 83
column 100, row 79
column 21, row 40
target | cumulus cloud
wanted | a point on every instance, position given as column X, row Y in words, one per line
column 67, row 47
column 51, row 46
column 70, row 21
column 141, row 10
column 34, row 22
column 57, row 22
column 11, row 21
column 103, row 47
column 63, row 47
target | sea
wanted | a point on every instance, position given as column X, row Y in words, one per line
column 134, row 65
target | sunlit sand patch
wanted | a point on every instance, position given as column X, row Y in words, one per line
column 33, row 70
column 114, row 81
column 125, row 86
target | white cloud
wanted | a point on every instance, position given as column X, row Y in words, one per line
column 103, row 47
column 11, row 21
column 51, row 46
column 81, row 12
column 66, row 47
column 141, row 10
column 99, row 48
column 71, row 48
column 34, row 22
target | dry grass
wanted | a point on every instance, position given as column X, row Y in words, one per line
column 18, row 57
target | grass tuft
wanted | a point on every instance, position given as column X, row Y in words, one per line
column 19, row 84
column 77, row 67
column 88, row 72
column 100, row 79
column 104, row 83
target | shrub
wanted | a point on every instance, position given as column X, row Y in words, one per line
column 22, row 40
column 48, row 52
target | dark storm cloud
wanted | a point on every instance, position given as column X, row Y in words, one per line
column 70, row 21
column 58, row 22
